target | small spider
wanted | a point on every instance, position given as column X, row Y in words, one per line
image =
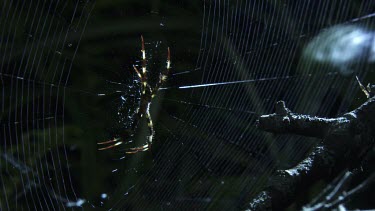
column 147, row 93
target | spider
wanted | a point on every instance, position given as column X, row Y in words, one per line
column 147, row 94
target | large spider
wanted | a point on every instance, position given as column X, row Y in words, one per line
column 147, row 93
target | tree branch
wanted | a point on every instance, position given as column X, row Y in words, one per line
column 346, row 139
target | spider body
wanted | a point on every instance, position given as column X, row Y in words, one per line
column 147, row 94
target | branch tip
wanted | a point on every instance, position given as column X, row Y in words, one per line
column 280, row 108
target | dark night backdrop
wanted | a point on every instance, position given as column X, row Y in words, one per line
column 207, row 153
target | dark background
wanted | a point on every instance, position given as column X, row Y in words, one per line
column 207, row 153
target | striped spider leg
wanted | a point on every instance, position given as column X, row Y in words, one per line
column 147, row 93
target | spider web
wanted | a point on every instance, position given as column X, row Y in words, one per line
column 39, row 40
column 231, row 62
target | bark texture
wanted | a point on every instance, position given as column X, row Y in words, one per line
column 345, row 142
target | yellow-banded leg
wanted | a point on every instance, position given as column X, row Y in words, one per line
column 150, row 126
column 142, row 74
column 163, row 74
column 115, row 141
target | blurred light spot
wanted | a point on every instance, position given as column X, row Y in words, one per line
column 78, row 203
column 343, row 47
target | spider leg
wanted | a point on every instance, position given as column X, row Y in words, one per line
column 108, row 142
column 169, row 59
column 149, row 125
column 144, row 78
column 115, row 141
column 163, row 74
column 150, row 137
column 137, row 149
column 143, row 56
column 137, row 71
